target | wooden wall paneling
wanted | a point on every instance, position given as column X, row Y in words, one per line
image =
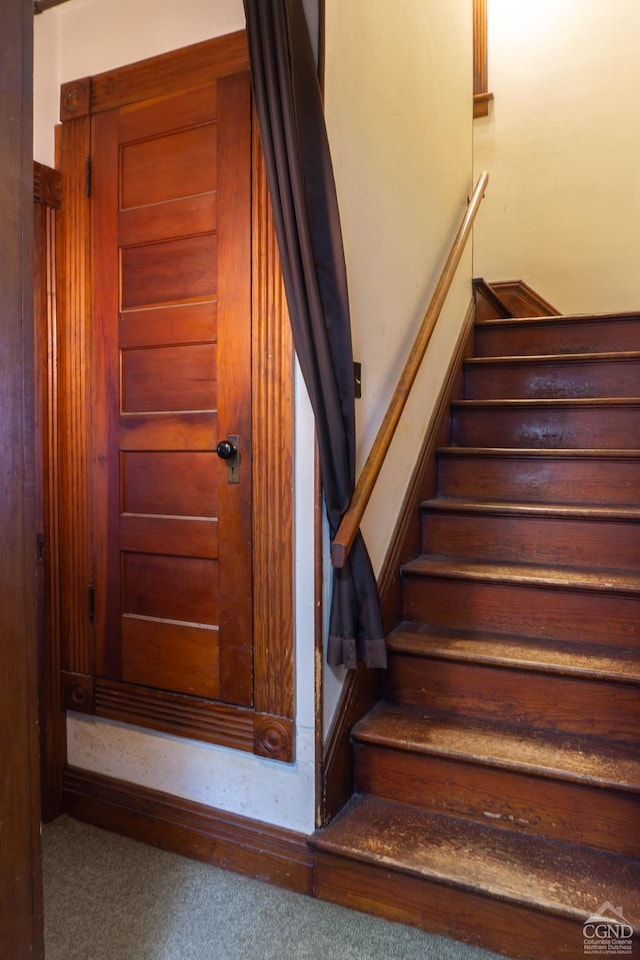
column 20, row 855
column 47, row 201
column 272, row 464
column 76, row 630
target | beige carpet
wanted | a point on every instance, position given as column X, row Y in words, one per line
column 109, row 898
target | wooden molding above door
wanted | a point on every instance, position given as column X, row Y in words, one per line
column 267, row 727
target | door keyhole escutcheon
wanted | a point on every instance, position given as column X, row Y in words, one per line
column 228, row 450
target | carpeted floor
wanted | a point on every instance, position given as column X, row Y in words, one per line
column 109, row 898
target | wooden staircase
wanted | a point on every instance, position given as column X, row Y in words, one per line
column 497, row 784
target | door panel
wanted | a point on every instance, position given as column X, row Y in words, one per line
column 170, row 588
column 148, row 117
column 169, row 431
column 191, row 323
column 168, row 535
column 172, row 376
column 167, row 167
column 170, row 656
column 159, row 220
column 169, row 378
column 154, row 273
column 169, row 494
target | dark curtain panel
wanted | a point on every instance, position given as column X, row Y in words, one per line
column 300, row 176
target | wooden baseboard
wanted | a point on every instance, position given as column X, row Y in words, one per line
column 245, row 846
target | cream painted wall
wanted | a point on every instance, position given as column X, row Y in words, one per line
column 46, row 84
column 398, row 88
column 562, row 143
column 397, row 98
column 78, row 39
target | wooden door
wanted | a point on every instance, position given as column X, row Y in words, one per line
column 174, row 335
column 171, row 378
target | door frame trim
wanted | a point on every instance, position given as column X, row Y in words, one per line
column 21, row 928
column 46, row 215
column 267, row 729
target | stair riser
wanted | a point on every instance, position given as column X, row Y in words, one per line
column 538, row 428
column 604, row 378
column 500, row 925
column 540, row 479
column 600, row 817
column 578, row 336
column 529, row 698
column 527, row 611
column 563, row 542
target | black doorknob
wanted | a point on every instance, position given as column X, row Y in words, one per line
column 226, row 450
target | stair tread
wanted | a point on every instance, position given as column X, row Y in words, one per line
column 574, row 510
column 543, row 753
column 631, row 316
column 596, row 660
column 552, row 358
column 550, row 875
column 523, row 573
column 622, row 453
column 547, row 402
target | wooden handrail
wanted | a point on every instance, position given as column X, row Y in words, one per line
column 352, row 518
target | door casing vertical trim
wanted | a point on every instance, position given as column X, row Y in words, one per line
column 47, row 202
